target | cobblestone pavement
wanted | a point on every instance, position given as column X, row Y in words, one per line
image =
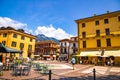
column 64, row 71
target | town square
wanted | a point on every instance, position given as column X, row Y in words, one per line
column 59, row 40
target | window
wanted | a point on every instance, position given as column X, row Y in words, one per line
column 74, row 51
column 84, row 44
column 96, row 22
column 21, row 46
column 4, row 42
column 75, row 39
column 118, row 18
column 30, row 39
column 22, row 38
column 106, row 21
column 108, row 41
column 5, row 35
column 84, row 34
column 13, row 44
column 15, row 35
column 29, row 47
column 65, row 50
column 97, row 32
column 98, row 43
column 65, row 43
column 49, row 44
column 107, row 31
column 61, row 50
column 83, row 24
column 74, row 45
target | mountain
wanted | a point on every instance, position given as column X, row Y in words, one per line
column 42, row 37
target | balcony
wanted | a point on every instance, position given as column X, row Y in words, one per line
column 74, row 48
column 97, row 35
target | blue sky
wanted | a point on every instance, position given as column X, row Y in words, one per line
column 54, row 18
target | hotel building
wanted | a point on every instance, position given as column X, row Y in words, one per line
column 48, row 50
column 99, row 35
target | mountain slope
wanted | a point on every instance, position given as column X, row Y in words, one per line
column 41, row 37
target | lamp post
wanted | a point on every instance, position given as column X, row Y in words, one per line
column 102, row 51
column 21, row 52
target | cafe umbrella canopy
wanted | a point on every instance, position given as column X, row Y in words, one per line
column 4, row 49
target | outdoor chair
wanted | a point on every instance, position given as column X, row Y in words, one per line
column 11, row 67
column 1, row 69
column 44, row 69
column 26, row 71
column 5, row 67
column 16, row 71
column 38, row 68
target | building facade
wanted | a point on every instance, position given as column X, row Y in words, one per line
column 64, row 48
column 73, row 45
column 99, row 33
column 47, row 49
column 18, row 39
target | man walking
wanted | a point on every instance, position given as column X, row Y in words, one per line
column 73, row 62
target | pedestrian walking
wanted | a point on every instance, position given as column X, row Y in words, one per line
column 73, row 62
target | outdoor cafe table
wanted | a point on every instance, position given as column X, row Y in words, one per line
column 7, row 66
column 20, row 69
column 10, row 65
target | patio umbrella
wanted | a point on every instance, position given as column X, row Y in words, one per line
column 5, row 49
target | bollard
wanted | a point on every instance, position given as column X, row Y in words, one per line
column 94, row 76
column 50, row 75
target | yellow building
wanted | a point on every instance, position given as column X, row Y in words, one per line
column 100, row 34
column 18, row 39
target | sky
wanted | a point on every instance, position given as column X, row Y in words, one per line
column 53, row 18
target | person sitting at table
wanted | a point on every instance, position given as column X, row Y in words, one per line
column 28, row 59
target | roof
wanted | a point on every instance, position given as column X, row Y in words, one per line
column 19, row 31
column 108, row 14
column 45, row 42
column 64, row 40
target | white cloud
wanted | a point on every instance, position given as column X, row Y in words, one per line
column 50, row 31
column 5, row 22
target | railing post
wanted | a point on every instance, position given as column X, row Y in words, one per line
column 94, row 75
column 50, row 75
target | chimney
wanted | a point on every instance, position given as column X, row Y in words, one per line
column 94, row 14
column 108, row 11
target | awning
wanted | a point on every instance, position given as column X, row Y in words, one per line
column 63, row 55
column 46, row 55
column 5, row 49
column 37, row 55
column 90, row 53
column 115, row 53
column 107, row 53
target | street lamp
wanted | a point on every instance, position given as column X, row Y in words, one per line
column 102, row 51
column 21, row 52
